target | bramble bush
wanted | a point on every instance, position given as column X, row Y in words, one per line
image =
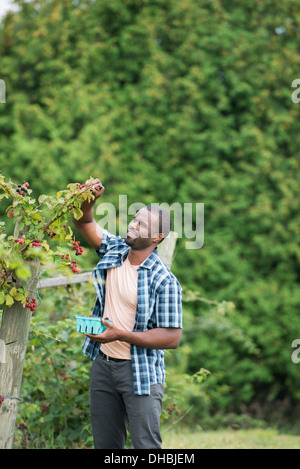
column 33, row 233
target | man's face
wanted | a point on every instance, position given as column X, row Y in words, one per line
column 139, row 233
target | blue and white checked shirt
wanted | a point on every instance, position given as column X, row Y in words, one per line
column 159, row 305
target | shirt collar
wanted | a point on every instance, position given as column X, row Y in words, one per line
column 117, row 258
column 150, row 261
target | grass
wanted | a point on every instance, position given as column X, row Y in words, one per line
column 184, row 438
column 229, row 439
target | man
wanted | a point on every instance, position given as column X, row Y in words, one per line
column 142, row 300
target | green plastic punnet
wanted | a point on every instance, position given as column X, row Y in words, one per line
column 89, row 325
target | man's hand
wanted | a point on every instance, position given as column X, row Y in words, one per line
column 157, row 338
column 110, row 334
column 86, row 225
column 96, row 186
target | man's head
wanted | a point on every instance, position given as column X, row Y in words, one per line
column 148, row 228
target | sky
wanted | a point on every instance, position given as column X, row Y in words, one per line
column 5, row 5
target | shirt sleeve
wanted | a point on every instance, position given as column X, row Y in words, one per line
column 168, row 308
column 109, row 241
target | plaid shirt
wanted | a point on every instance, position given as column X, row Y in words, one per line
column 159, row 305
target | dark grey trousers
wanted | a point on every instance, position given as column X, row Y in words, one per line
column 114, row 405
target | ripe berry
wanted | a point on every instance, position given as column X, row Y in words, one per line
column 36, row 242
column 22, row 188
column 20, row 241
column 31, row 304
column 77, row 248
column 74, row 267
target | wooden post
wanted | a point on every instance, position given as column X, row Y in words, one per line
column 166, row 248
column 13, row 339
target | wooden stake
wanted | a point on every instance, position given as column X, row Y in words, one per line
column 14, row 338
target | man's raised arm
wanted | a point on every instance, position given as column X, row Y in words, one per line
column 86, row 225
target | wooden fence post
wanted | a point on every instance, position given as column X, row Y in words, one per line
column 167, row 248
column 13, row 339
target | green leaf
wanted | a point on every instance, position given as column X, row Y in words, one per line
column 42, row 198
column 2, row 297
column 9, row 301
column 13, row 291
column 20, row 297
column 37, row 216
column 77, row 212
column 23, row 271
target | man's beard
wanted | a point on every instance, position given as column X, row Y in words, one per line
column 131, row 237
column 130, row 241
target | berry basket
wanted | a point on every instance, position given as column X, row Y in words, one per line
column 89, row 325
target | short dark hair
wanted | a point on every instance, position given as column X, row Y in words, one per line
column 164, row 220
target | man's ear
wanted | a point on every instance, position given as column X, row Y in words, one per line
column 157, row 238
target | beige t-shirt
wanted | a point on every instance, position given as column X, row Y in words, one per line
column 120, row 305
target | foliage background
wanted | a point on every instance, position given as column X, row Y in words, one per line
column 179, row 101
